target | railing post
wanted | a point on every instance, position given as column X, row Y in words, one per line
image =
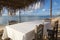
column 19, row 16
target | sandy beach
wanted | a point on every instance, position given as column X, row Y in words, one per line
column 1, row 27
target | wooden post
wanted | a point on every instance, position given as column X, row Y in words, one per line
column 50, row 10
column 19, row 16
column 0, row 12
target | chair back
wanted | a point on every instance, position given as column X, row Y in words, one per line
column 53, row 34
column 55, row 29
column 39, row 32
column 1, row 33
column 7, row 38
column 56, row 26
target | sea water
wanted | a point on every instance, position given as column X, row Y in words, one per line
column 5, row 19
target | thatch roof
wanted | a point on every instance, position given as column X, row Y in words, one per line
column 17, row 4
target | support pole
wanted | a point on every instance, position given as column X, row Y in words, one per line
column 50, row 10
column 19, row 16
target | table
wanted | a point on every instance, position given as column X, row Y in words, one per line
column 22, row 31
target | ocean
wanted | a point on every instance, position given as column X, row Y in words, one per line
column 5, row 19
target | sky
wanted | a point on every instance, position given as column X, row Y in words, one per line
column 38, row 9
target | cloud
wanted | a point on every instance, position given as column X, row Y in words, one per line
column 17, row 13
column 4, row 14
column 43, row 10
column 31, row 8
column 55, row 3
column 29, row 11
column 21, row 12
column 57, row 13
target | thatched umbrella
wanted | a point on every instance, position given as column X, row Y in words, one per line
column 17, row 4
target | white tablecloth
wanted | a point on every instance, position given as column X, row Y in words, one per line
column 22, row 31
